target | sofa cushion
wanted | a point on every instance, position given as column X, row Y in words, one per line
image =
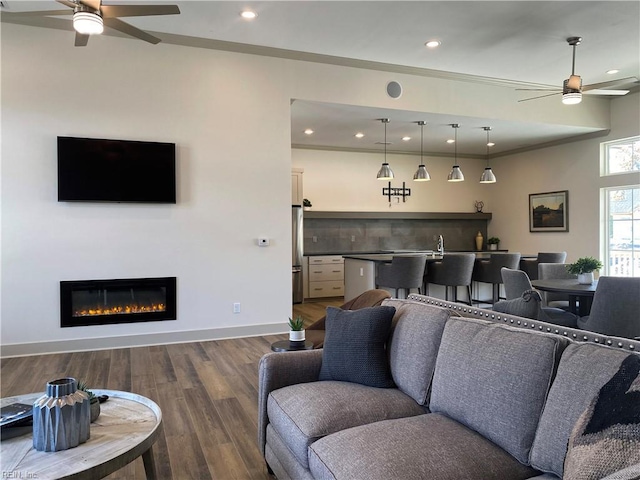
column 355, row 346
column 305, row 412
column 428, row 446
column 583, row 370
column 413, row 346
column 494, row 379
column 606, row 437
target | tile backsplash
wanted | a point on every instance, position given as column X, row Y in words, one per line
column 323, row 235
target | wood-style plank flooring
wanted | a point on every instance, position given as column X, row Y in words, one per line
column 207, row 392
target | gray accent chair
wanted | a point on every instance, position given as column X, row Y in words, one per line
column 488, row 271
column 404, row 272
column 454, row 270
column 530, row 265
column 524, row 301
column 615, row 309
column 548, row 271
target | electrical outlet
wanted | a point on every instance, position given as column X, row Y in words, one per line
column 236, row 308
column 353, row 238
column 314, row 239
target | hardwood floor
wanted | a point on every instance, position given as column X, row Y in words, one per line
column 207, row 392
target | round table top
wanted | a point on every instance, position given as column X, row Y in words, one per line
column 565, row 285
column 127, row 427
column 287, row 346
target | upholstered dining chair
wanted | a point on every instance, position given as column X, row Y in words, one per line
column 547, row 271
column 516, row 284
column 615, row 309
column 454, row 271
column 530, row 265
column 488, row 271
column 371, row 298
column 529, row 305
column 403, row 273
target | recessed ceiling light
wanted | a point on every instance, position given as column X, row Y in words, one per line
column 359, row 135
column 308, row 131
column 613, row 71
column 406, row 139
column 433, row 44
column 491, row 144
column 451, row 140
column 248, row 14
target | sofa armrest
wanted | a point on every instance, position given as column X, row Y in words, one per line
column 277, row 370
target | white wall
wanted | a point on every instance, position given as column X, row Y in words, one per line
column 229, row 115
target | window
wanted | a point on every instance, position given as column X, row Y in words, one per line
column 620, row 161
column 621, row 156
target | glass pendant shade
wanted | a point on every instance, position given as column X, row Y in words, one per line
column 455, row 175
column 87, row 23
column 421, row 174
column 487, row 176
column 385, row 172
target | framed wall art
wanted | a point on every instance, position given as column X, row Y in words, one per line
column 549, row 211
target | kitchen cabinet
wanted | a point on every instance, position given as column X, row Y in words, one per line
column 296, row 186
column 326, row 276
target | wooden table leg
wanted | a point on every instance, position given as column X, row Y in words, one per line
column 149, row 464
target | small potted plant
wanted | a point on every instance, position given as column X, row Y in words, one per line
column 584, row 268
column 93, row 401
column 296, row 329
column 493, row 243
column 306, row 204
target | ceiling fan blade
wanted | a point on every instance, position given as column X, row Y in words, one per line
column 541, row 96
column 81, row 40
column 109, row 11
column 95, row 4
column 605, row 92
column 43, row 13
column 130, row 30
column 538, row 90
column 610, row 83
column 574, row 82
column 66, row 3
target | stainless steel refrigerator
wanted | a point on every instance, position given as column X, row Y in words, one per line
column 296, row 250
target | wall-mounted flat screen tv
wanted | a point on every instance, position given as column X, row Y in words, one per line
column 100, row 170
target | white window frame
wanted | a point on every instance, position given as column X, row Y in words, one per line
column 613, row 255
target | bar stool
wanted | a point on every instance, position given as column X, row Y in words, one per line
column 488, row 271
column 530, row 265
column 404, row 272
column 454, row 271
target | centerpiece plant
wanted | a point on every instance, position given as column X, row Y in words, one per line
column 584, row 268
column 493, row 243
column 296, row 329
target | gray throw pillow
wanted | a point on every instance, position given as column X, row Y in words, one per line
column 606, row 437
column 355, row 346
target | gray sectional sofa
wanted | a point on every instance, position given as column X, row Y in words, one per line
column 478, row 395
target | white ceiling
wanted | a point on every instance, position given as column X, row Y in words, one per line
column 518, row 41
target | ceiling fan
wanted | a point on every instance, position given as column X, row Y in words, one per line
column 90, row 16
column 572, row 88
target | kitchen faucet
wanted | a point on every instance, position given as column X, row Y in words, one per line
column 440, row 245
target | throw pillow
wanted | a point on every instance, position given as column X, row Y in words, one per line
column 355, row 346
column 606, row 437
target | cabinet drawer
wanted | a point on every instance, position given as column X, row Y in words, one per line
column 326, row 289
column 318, row 273
column 326, row 259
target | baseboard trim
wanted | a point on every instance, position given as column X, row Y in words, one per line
column 142, row 340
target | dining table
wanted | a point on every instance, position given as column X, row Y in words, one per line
column 580, row 295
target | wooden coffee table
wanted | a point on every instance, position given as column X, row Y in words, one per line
column 127, row 428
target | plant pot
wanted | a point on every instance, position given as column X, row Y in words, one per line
column 296, row 335
column 306, row 208
column 585, row 278
column 95, row 409
column 493, row 246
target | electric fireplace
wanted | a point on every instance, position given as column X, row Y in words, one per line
column 101, row 302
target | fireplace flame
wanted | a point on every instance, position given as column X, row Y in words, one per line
column 120, row 310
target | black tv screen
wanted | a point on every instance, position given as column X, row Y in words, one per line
column 100, row 170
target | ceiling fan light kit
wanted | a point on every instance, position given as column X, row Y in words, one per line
column 385, row 172
column 88, row 23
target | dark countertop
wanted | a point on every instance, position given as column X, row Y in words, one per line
column 399, row 251
column 387, row 256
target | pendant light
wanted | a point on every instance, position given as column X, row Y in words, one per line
column 421, row 174
column 385, row 172
column 456, row 174
column 487, row 175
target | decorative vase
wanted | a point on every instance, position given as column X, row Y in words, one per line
column 296, row 335
column 493, row 246
column 479, row 240
column 61, row 417
column 585, row 278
